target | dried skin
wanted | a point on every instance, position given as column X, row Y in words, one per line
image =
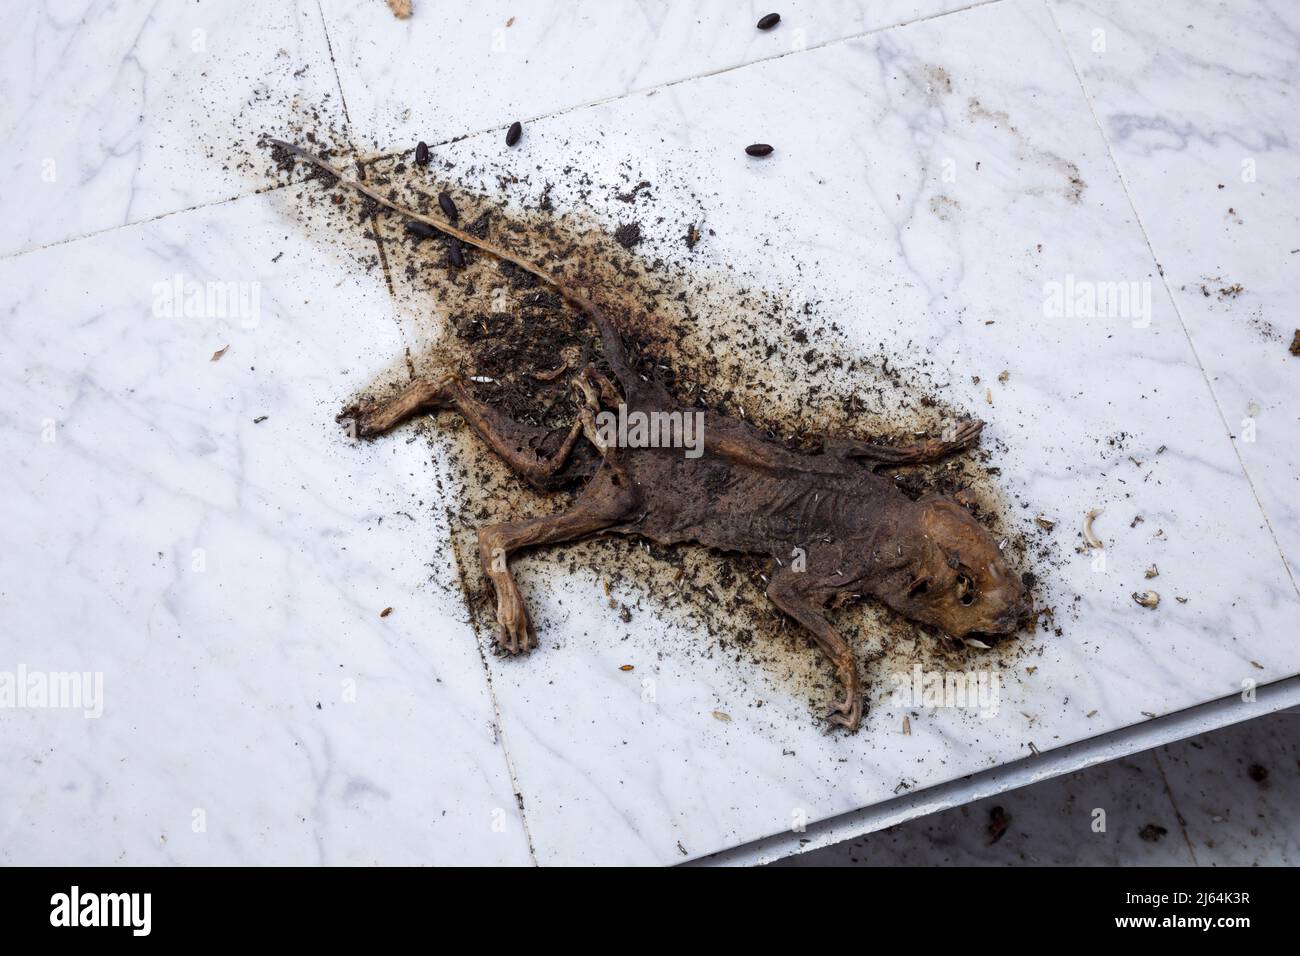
column 853, row 531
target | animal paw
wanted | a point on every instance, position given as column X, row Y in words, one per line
column 374, row 418
column 515, row 633
column 847, row 713
column 366, row 420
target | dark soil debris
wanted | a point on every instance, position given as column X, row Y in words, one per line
column 999, row 820
column 705, row 334
column 1152, row 832
column 628, row 234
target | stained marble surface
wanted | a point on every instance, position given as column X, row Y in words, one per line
column 931, row 182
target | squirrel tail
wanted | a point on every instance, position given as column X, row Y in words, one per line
column 611, row 341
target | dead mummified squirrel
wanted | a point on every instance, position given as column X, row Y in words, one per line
column 834, row 528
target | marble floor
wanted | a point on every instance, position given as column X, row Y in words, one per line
column 1075, row 219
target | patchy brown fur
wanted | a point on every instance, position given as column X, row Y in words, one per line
column 833, row 527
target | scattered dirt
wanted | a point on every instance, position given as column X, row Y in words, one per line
column 1074, row 187
column 940, row 81
column 999, row 820
column 1230, row 291
column 707, row 335
column 628, row 235
column 1152, row 832
column 944, row 207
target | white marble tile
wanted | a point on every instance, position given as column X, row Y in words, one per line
column 928, row 181
column 115, row 112
column 453, row 70
column 1200, row 109
column 225, row 575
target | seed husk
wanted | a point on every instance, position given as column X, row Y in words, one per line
column 514, row 132
column 769, row 21
column 1149, row 599
column 759, row 149
column 447, row 206
column 422, row 153
column 456, row 255
column 421, row 229
column 1090, row 540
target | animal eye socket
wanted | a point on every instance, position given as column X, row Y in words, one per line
column 918, row 588
column 965, row 590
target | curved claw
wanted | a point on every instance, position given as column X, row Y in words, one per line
column 515, row 640
column 362, row 418
column 847, row 713
column 515, row 634
column 967, row 434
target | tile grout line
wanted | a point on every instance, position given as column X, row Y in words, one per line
column 499, row 729
column 1182, row 822
column 488, row 129
column 361, row 170
column 668, row 84
column 498, row 724
column 338, row 82
column 270, row 187
column 1164, row 281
